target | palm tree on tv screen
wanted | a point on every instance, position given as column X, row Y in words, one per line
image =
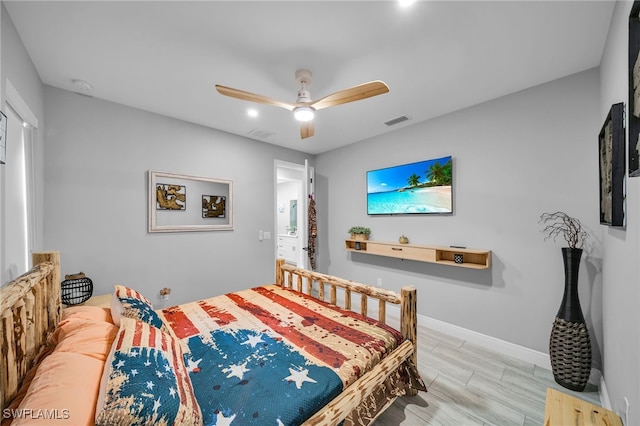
column 439, row 174
column 414, row 180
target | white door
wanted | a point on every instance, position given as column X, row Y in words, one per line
column 301, row 177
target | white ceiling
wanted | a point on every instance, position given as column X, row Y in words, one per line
column 436, row 56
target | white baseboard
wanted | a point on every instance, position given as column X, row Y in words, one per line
column 604, row 394
column 506, row 348
column 503, row 347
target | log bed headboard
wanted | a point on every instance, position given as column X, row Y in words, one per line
column 293, row 277
column 30, row 308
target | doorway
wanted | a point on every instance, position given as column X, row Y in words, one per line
column 291, row 204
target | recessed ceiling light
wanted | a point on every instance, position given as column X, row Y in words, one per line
column 252, row 112
column 406, row 3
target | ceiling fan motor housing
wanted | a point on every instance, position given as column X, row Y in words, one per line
column 303, row 76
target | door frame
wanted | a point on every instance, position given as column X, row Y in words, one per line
column 306, row 176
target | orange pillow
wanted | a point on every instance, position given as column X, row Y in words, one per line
column 94, row 313
column 63, row 392
column 91, row 338
column 83, row 338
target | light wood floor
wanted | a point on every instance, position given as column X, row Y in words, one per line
column 470, row 385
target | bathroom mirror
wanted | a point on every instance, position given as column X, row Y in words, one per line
column 293, row 216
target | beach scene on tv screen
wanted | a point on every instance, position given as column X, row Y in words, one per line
column 421, row 187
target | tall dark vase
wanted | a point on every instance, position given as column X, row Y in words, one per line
column 569, row 345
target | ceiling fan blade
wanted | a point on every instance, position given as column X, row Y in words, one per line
column 355, row 93
column 306, row 129
column 252, row 97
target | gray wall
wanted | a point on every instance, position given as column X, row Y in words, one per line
column 98, row 154
column 513, row 158
column 620, row 269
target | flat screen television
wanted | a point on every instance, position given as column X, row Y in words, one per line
column 423, row 187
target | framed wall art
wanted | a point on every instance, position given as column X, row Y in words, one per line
column 634, row 89
column 214, row 206
column 171, row 197
column 177, row 203
column 611, row 145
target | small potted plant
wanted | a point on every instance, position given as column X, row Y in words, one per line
column 359, row 233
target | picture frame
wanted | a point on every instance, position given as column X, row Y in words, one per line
column 171, row 196
column 634, row 90
column 189, row 217
column 214, row 206
column 611, row 146
column 3, row 138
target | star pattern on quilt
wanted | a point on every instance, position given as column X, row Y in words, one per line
column 236, row 370
column 156, row 405
column 253, row 340
column 252, row 371
column 192, row 366
column 299, row 376
column 146, row 378
column 221, row 420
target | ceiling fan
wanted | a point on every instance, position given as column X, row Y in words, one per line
column 304, row 108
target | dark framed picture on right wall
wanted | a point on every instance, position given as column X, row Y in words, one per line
column 612, row 167
column 634, row 89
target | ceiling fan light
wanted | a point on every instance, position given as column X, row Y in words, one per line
column 303, row 113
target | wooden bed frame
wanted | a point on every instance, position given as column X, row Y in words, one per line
column 31, row 308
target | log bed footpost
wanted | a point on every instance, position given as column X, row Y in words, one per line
column 409, row 323
column 279, row 272
column 53, row 289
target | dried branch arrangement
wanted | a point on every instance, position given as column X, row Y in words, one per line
column 559, row 223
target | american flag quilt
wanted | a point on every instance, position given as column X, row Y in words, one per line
column 272, row 356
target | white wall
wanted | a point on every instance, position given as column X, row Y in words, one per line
column 514, row 158
column 98, row 154
column 621, row 282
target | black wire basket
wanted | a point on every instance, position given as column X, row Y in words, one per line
column 76, row 289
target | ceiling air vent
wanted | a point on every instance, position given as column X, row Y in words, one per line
column 396, row 120
column 260, row 134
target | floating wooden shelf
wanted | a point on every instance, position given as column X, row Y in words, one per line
column 471, row 258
